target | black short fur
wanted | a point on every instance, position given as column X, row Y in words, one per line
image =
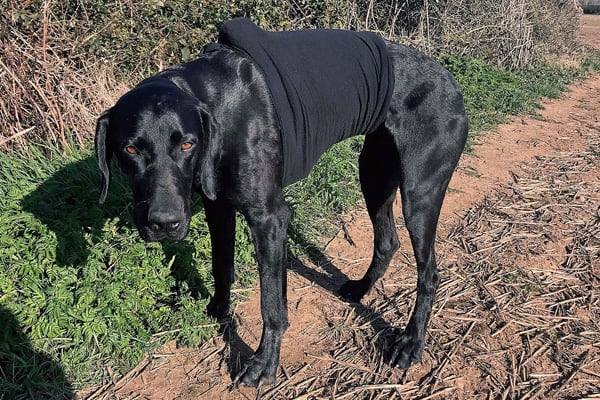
column 209, row 126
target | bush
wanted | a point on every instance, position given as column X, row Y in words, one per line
column 511, row 34
column 65, row 62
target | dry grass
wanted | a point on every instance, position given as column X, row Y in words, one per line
column 508, row 33
column 514, row 332
column 46, row 96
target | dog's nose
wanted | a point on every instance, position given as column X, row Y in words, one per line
column 163, row 220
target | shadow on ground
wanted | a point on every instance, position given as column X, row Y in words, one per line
column 331, row 280
column 67, row 203
column 26, row 373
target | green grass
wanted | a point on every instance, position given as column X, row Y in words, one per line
column 81, row 292
column 330, row 189
column 80, row 284
column 491, row 94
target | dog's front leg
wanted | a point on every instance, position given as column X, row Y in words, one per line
column 269, row 231
column 221, row 224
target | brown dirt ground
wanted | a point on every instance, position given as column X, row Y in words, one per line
column 517, row 314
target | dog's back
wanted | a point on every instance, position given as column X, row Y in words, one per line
column 326, row 85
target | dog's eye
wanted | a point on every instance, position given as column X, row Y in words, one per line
column 186, row 146
column 131, row 150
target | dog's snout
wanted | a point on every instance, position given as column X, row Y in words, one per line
column 164, row 220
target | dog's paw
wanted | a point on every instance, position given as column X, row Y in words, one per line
column 354, row 291
column 257, row 372
column 217, row 309
column 405, row 351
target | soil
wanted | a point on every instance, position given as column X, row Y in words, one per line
column 517, row 314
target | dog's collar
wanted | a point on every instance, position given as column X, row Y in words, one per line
column 211, row 47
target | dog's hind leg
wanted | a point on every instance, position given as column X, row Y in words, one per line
column 379, row 178
column 427, row 165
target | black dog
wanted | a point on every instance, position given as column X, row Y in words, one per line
column 218, row 126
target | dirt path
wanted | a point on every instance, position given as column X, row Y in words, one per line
column 517, row 314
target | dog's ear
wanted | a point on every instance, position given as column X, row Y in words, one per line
column 212, row 141
column 103, row 152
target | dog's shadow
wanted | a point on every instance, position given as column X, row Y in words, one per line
column 331, row 279
column 67, row 203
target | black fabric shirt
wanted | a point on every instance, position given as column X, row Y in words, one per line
column 326, row 85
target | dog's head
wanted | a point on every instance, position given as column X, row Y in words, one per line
column 167, row 144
